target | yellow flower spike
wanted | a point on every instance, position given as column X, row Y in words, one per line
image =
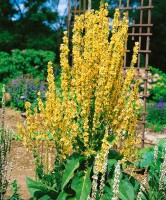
column 135, row 52
column 27, row 104
column 95, row 93
column 103, row 153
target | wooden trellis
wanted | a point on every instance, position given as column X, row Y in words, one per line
column 75, row 7
column 139, row 30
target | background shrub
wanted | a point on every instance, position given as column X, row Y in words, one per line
column 24, row 89
column 158, row 90
column 156, row 86
column 29, row 61
column 157, row 113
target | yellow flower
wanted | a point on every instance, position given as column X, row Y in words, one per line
column 95, row 93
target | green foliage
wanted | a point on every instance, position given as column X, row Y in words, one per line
column 77, row 175
column 156, row 109
column 82, row 185
column 38, row 189
column 7, row 38
column 58, row 82
column 158, row 128
column 75, row 180
column 155, row 127
column 126, row 190
column 71, row 166
column 152, row 159
column 156, row 113
column 158, row 44
column 37, row 26
column 147, row 159
column 158, row 90
column 29, row 62
column 6, row 11
column 24, row 89
column 15, row 191
column 147, row 155
column 62, row 196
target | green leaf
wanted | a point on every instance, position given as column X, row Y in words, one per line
column 105, row 197
column 147, row 159
column 107, row 193
column 111, row 163
column 126, row 190
column 143, row 197
column 114, row 155
column 133, row 181
column 35, row 189
column 144, row 150
column 111, row 138
column 45, row 197
column 71, row 166
column 82, row 185
column 62, row 196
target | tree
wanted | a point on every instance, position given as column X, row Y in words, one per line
column 30, row 24
column 158, row 42
column 7, row 36
column 34, row 25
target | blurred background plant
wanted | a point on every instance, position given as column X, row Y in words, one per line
column 156, row 116
column 156, row 102
column 156, row 86
column 24, row 74
column 39, row 24
column 23, row 89
column 24, row 62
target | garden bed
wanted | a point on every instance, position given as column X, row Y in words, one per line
column 23, row 161
column 22, row 166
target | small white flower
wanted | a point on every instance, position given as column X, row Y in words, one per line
column 116, row 182
column 155, row 153
column 142, row 189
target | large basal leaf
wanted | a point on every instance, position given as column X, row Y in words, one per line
column 107, row 193
column 82, row 185
column 147, row 159
column 62, row 196
column 45, row 197
column 111, row 164
column 71, row 166
column 133, row 181
column 35, row 189
column 105, row 197
column 126, row 190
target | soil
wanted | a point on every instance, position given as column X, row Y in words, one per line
column 22, row 166
column 12, row 117
column 23, row 162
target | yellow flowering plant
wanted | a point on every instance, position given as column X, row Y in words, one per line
column 97, row 108
column 95, row 93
